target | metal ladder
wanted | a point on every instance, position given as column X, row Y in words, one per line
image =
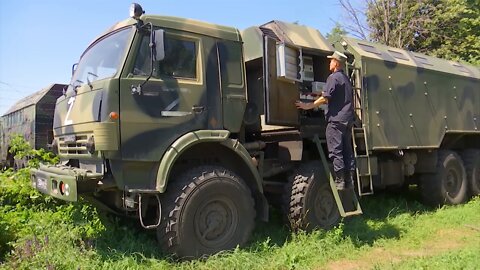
column 336, row 195
column 365, row 154
column 360, row 132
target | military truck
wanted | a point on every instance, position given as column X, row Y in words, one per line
column 191, row 127
column 32, row 118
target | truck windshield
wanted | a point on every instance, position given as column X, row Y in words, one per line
column 102, row 60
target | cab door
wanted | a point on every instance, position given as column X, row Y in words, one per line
column 280, row 87
column 173, row 101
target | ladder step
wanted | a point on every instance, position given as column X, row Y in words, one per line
column 365, row 193
column 353, row 213
column 361, row 152
column 359, row 135
column 335, row 192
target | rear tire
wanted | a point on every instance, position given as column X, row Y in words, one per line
column 308, row 202
column 471, row 158
column 449, row 184
column 206, row 210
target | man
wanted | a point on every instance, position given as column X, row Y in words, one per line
column 338, row 95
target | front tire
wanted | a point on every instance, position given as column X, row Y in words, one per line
column 449, row 184
column 309, row 203
column 206, row 210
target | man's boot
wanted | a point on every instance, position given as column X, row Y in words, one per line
column 349, row 180
column 340, row 180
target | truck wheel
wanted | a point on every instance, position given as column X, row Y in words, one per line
column 471, row 159
column 308, row 202
column 206, row 210
column 449, row 184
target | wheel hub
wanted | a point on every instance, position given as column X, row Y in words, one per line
column 325, row 207
column 216, row 222
column 452, row 183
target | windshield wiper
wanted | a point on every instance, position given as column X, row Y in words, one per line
column 88, row 80
column 64, row 90
column 76, row 86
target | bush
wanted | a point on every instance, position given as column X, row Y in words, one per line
column 18, row 200
column 23, row 150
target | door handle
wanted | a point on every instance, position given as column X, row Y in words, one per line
column 198, row 109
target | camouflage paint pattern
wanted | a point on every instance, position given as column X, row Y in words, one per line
column 413, row 100
column 260, row 45
column 176, row 113
column 299, row 36
column 168, row 108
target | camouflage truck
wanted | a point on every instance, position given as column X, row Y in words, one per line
column 191, row 128
column 32, row 118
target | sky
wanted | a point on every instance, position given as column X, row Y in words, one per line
column 41, row 39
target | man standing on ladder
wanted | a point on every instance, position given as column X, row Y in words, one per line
column 338, row 94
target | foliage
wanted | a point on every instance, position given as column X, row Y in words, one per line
column 397, row 23
column 17, row 194
column 336, row 33
column 448, row 29
column 22, row 150
column 38, row 232
column 454, row 31
column 48, row 234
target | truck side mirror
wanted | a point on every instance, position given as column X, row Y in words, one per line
column 74, row 67
column 158, row 36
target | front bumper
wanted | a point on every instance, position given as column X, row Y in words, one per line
column 62, row 181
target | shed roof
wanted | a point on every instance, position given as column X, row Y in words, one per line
column 32, row 99
column 386, row 53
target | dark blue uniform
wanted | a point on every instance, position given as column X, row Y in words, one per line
column 339, row 116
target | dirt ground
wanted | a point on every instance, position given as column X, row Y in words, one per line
column 444, row 241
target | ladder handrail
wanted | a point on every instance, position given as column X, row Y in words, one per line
column 359, row 184
column 340, row 207
column 357, row 95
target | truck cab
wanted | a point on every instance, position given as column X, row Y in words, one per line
column 152, row 101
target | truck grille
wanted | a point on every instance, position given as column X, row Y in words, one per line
column 73, row 145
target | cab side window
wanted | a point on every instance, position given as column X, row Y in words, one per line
column 180, row 59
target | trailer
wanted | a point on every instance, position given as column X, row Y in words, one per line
column 191, row 128
column 32, row 118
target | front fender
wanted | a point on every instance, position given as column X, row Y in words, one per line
column 186, row 141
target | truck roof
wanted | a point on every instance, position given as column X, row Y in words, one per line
column 391, row 54
column 301, row 36
column 188, row 25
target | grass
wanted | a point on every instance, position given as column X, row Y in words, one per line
column 465, row 258
column 396, row 232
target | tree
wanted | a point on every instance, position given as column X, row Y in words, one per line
column 444, row 28
column 454, row 31
column 392, row 22
column 336, row 33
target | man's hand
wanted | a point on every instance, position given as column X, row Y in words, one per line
column 304, row 106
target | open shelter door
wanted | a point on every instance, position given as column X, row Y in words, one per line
column 281, row 69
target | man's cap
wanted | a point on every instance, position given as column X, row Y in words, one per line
column 339, row 56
